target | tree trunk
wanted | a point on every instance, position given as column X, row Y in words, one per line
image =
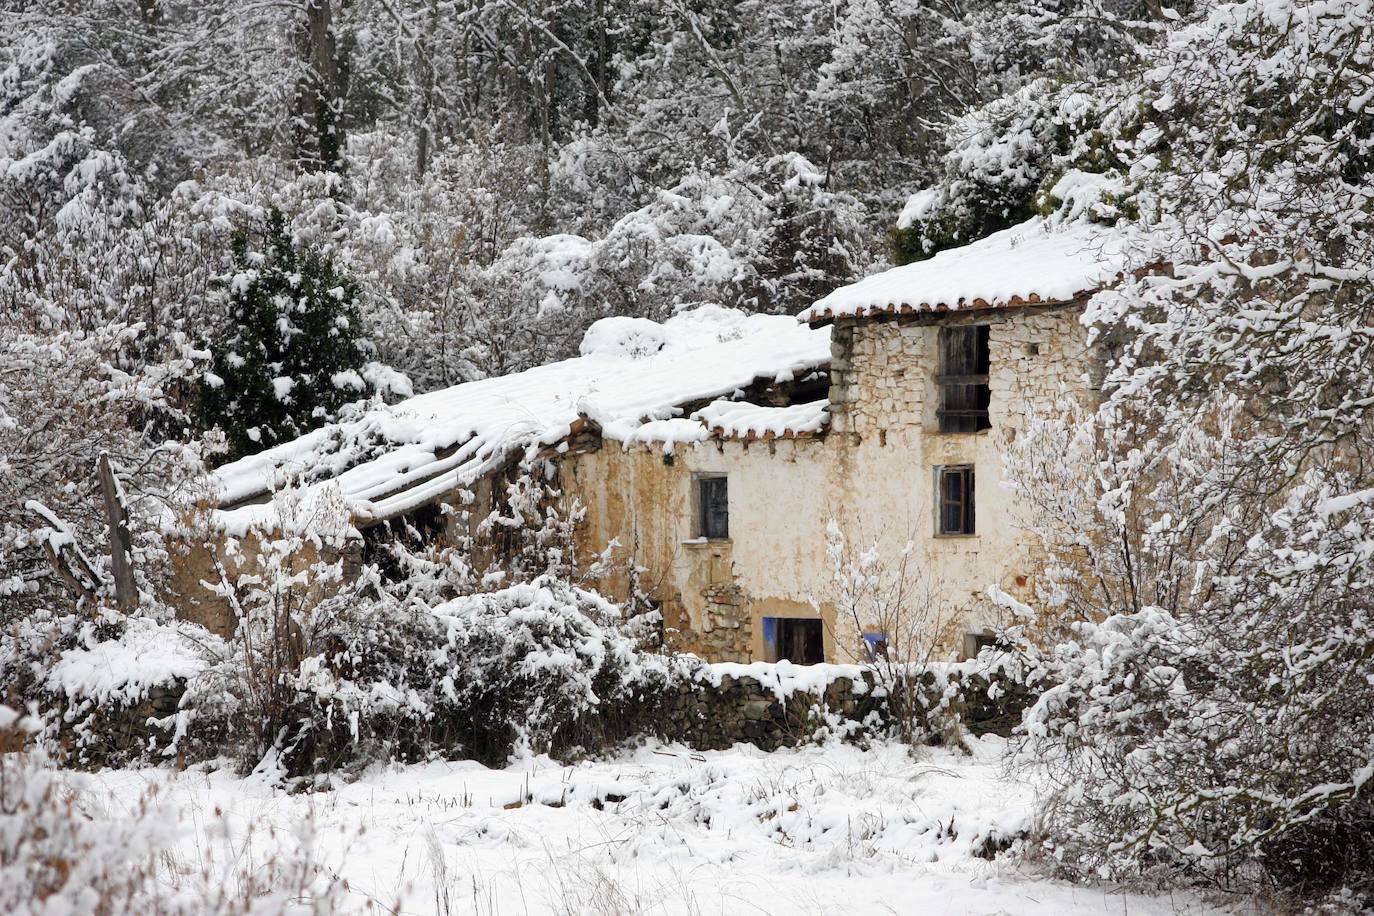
column 319, row 95
column 150, row 11
column 425, row 102
column 599, row 68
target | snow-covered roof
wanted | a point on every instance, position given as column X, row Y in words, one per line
column 632, row 379
column 742, row 420
column 1033, row 263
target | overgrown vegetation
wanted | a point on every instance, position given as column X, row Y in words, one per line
column 333, row 666
column 892, row 603
column 460, row 189
column 1206, row 620
column 62, row 852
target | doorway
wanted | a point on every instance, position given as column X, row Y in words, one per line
column 799, row 640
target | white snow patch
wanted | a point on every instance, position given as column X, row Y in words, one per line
column 917, row 208
column 147, row 654
column 386, row 380
column 623, row 337
column 785, row 678
column 347, row 380
column 741, row 419
column 662, row 830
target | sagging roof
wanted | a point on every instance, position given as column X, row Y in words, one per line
column 1030, row 264
column 632, row 380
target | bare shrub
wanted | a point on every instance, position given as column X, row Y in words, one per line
column 900, row 616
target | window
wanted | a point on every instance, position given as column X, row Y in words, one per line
column 977, row 642
column 954, row 495
column 713, row 507
column 963, row 379
column 800, row 640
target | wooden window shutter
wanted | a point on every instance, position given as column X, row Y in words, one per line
column 714, row 507
column 965, row 363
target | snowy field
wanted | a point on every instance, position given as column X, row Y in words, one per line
column 660, row 830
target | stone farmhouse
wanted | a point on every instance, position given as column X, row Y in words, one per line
column 725, row 452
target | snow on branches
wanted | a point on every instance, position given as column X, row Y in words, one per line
column 1212, row 547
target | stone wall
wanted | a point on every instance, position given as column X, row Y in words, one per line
column 1037, row 360
column 114, row 735
column 883, row 372
column 877, row 376
column 727, row 630
column 725, row 705
column 771, row 706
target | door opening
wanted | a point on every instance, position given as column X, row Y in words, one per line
column 800, row 640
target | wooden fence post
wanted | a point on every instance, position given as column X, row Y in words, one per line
column 121, row 545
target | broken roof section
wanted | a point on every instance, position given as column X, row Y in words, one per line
column 633, row 379
column 1030, row 264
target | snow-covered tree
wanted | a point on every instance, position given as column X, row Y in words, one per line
column 295, row 352
column 1212, row 537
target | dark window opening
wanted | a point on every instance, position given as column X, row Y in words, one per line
column 955, row 493
column 977, row 642
column 963, row 379
column 713, row 507
column 766, row 392
column 800, row 640
column 812, row 387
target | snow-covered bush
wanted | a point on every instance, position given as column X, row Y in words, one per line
column 545, row 666
column 1017, row 156
column 1211, row 529
column 542, row 667
column 268, row 691
column 483, row 647
column 66, row 398
column 55, row 857
column 1206, row 653
column 108, row 683
column 763, row 235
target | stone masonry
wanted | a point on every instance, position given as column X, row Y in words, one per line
column 876, row 376
column 727, row 630
column 710, row 713
column 116, row 735
column 883, row 372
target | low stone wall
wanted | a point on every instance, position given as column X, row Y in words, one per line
column 784, row 705
column 986, row 704
column 714, row 711
column 771, row 706
column 109, row 736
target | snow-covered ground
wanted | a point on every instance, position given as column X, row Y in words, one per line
column 659, row 830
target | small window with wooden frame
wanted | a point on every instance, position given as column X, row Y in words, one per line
column 712, row 506
column 954, row 502
column 963, row 379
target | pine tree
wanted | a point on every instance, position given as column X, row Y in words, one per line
column 293, row 355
